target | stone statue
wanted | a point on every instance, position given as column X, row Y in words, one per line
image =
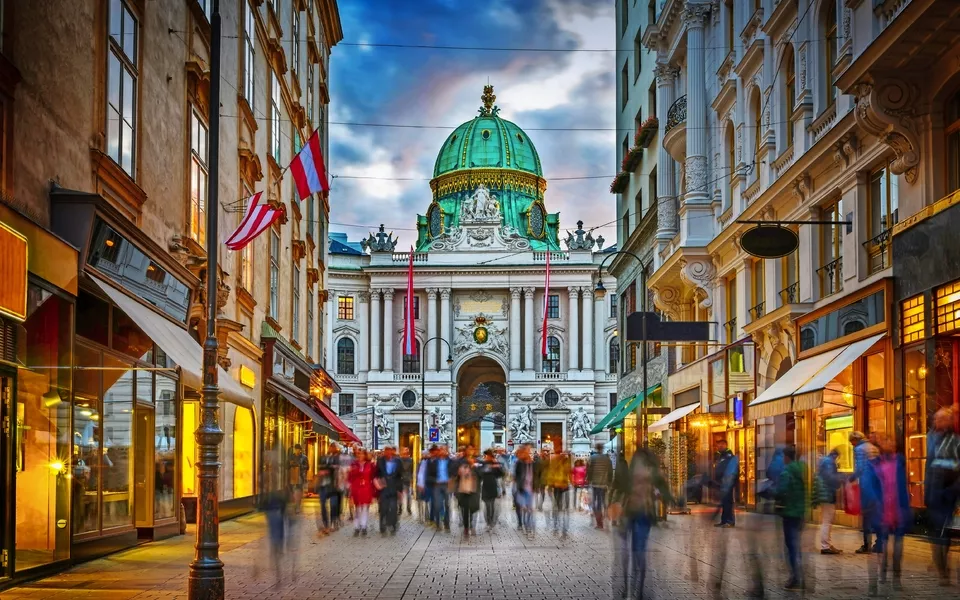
column 381, row 242
column 384, row 434
column 580, row 239
column 581, row 423
column 522, row 425
column 441, row 421
column 481, row 206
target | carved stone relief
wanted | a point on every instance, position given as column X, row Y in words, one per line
column 887, row 110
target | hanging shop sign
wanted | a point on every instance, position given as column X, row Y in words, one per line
column 766, row 241
column 13, row 273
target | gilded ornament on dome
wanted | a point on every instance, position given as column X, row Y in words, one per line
column 481, row 335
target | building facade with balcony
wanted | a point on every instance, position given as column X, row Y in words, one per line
column 479, row 376
column 834, row 117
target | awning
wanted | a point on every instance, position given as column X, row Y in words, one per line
column 672, row 416
column 326, row 378
column 616, row 410
column 320, row 425
column 801, row 388
column 176, row 342
column 346, row 435
column 619, row 412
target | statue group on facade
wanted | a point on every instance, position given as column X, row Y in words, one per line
column 482, row 206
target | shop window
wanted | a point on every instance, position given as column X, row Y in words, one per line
column 876, row 394
column 345, row 357
column 553, row 306
column 165, row 448
column 952, row 129
column 116, row 462
column 947, row 304
column 835, row 420
column 411, row 362
column 122, row 75
column 42, row 429
column 93, row 314
column 551, row 362
column 917, row 415
column 912, row 325
column 85, row 483
column 188, row 464
column 243, row 452
column 346, row 404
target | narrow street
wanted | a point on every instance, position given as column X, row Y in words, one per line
column 505, row 564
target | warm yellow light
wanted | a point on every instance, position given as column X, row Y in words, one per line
column 922, row 372
column 248, row 377
column 94, row 417
column 109, row 243
column 85, row 413
column 56, row 466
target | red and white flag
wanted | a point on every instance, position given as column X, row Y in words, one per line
column 308, row 169
column 546, row 308
column 409, row 323
column 256, row 219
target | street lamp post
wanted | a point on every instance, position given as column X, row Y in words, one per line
column 205, row 581
column 600, row 291
column 423, row 386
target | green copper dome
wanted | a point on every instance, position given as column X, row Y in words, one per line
column 487, row 141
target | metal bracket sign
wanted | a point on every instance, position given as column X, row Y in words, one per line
column 665, row 331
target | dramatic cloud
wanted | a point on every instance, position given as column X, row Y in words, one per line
column 381, row 174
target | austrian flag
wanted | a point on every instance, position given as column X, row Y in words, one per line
column 308, row 169
column 257, row 218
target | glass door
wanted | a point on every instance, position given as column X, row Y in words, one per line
column 6, row 514
column 143, row 468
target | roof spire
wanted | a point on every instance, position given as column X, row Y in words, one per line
column 488, row 99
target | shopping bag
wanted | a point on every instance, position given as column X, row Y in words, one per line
column 851, row 499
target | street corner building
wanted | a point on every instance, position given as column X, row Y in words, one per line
column 103, row 241
column 478, row 375
column 839, row 121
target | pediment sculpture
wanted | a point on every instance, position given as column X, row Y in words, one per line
column 380, row 242
column 481, row 207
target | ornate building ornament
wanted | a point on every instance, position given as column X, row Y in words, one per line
column 380, row 242
column 887, row 110
column 803, row 187
column 582, row 240
column 522, row 424
column 696, row 173
column 699, row 275
column 482, row 336
column 665, row 74
column 480, row 207
column 695, row 15
column 845, row 151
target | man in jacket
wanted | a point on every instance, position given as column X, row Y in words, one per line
column 297, row 467
column 863, row 453
column 726, row 475
column 406, row 479
column 523, row 488
column 942, row 486
column 828, row 482
column 438, row 473
column 792, row 498
column 328, row 491
column 599, row 476
column 389, row 476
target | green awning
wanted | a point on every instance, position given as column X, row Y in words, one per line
column 619, row 412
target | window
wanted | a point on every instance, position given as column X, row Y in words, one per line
column 246, row 255
column 198, row 179
column 614, row 356
column 613, row 306
column 206, row 5
column 829, row 51
column 731, row 324
column 295, row 41
column 411, row 362
column 624, row 85
column 345, row 308
column 275, row 119
column 759, row 293
column 831, row 254
column 624, row 15
column 731, row 166
column 790, row 91
column 652, row 98
column 553, row 306
column 345, row 357
column 790, row 269
column 409, row 399
column 416, row 305
column 310, row 347
column 625, row 147
column 757, row 125
column 551, row 398
column 274, row 274
column 295, row 308
column 122, row 73
column 613, row 400
column 346, row 404
column 652, row 186
column 952, row 129
column 310, row 114
column 551, row 362
column 728, row 15
column 637, row 53
column 249, row 54
column 243, row 450
column 884, row 201
column 638, row 206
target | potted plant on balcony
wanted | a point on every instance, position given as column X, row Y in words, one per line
column 620, row 182
column 632, row 160
column 646, row 132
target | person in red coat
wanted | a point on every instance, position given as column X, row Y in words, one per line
column 361, row 479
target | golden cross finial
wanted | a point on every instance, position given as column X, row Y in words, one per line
column 488, row 98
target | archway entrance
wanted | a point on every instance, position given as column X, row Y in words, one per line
column 482, row 405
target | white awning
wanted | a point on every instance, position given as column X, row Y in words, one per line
column 777, row 399
column 810, row 395
column 674, row 415
column 176, row 342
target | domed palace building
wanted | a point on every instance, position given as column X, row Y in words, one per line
column 479, row 376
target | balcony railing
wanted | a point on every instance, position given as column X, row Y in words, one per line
column 757, row 311
column 791, row 293
column 878, row 251
column 831, row 277
column 551, row 376
column 406, row 376
column 676, row 114
column 731, row 328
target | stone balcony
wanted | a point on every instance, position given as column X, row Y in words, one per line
column 675, row 130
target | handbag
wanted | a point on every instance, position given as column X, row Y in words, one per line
column 851, row 499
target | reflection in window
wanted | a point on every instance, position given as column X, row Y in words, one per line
column 551, row 362
column 85, row 482
column 188, row 460
column 867, row 312
column 165, row 448
column 345, row 357
column 116, row 461
column 551, row 398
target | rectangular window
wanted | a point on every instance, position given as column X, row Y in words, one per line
column 758, row 288
column 295, row 335
column 122, row 73
column 613, row 306
column 912, row 326
column 345, row 308
column 309, row 347
column 346, row 404
column 831, row 254
column 613, row 400
column 275, row 119
column 652, row 98
column 310, row 109
column 553, row 306
column 731, row 324
column 947, row 303
column 249, row 54
column 790, row 269
column 416, row 305
column 274, row 274
column 206, row 5
column 624, row 85
column 295, row 41
column 624, row 16
column 728, row 15
column 198, row 179
column 637, row 53
column 246, row 254
column 311, row 217
column 884, row 201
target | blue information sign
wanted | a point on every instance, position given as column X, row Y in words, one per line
column 434, row 434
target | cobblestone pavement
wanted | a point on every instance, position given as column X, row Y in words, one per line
column 685, row 558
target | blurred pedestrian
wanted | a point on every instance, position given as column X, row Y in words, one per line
column 726, row 475
column 942, row 486
column 467, row 486
column 863, row 454
column 438, row 474
column 343, row 479
column 361, row 477
column 274, row 506
column 599, row 476
column 558, row 478
column 579, row 479
column 423, row 490
column 891, row 468
column 297, row 467
column 828, row 484
column 389, row 484
column 491, row 476
column 540, row 464
column 792, row 500
column 328, row 492
column 523, row 481
column 406, row 480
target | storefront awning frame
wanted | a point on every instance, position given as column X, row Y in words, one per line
column 672, row 416
column 624, row 408
column 320, row 424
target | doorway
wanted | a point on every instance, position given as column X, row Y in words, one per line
column 144, row 467
column 408, row 435
column 6, row 513
column 482, row 406
column 551, row 436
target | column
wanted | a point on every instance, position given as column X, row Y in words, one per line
column 744, row 288
column 588, row 332
column 696, row 212
column 528, row 333
column 515, row 328
column 719, row 309
column 573, row 345
column 376, row 330
column 363, row 350
column 666, row 178
column 331, row 360
column 431, row 351
column 445, row 327
column 389, row 332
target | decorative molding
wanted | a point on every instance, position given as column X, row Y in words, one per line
column 299, row 250
column 699, row 274
column 313, row 276
column 887, row 110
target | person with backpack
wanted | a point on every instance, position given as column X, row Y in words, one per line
column 827, row 485
column 792, row 503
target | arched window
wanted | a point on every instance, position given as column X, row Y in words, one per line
column 614, row 356
column 551, row 362
column 731, row 165
column 829, row 51
column 409, row 399
column 757, row 125
column 411, row 362
column 551, row 398
column 852, row 327
column 952, row 125
column 789, row 91
column 345, row 357
column 808, row 338
column 243, row 449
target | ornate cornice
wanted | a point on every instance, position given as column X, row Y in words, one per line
column 503, row 179
column 887, row 110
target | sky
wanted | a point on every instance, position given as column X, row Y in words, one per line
column 442, row 87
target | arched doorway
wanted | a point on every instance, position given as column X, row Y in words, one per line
column 481, row 404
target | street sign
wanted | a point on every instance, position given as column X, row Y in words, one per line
column 434, row 434
column 769, row 242
column 665, row 331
